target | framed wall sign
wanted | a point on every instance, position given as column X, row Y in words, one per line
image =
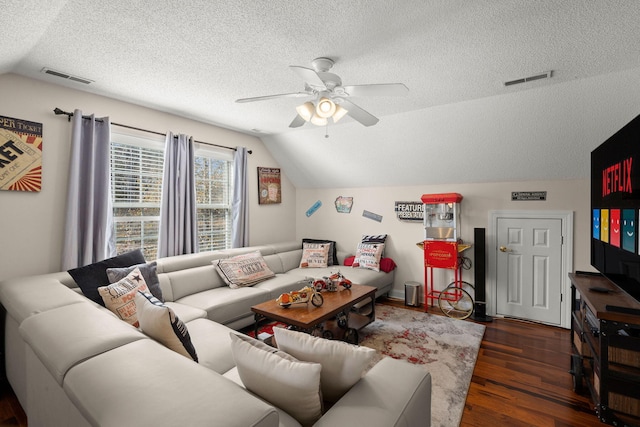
column 269, row 188
column 20, row 155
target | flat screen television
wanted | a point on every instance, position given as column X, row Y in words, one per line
column 615, row 207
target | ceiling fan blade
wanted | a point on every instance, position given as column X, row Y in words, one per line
column 359, row 114
column 297, row 122
column 309, row 76
column 388, row 89
column 281, row 95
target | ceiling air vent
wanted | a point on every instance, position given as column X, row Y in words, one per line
column 66, row 76
column 545, row 75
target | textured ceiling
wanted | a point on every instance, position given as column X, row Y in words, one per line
column 195, row 57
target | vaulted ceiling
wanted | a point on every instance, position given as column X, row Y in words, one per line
column 195, row 58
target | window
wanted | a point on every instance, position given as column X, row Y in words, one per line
column 213, row 200
column 136, row 183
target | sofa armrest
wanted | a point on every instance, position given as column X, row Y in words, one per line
column 392, row 393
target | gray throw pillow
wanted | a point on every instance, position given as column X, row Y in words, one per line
column 148, row 272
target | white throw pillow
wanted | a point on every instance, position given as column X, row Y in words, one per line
column 315, row 255
column 279, row 378
column 119, row 297
column 343, row 364
column 243, row 270
column 368, row 256
column 161, row 323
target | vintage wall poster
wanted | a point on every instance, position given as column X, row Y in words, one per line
column 269, row 188
column 20, row 155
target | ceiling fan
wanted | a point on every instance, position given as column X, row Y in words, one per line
column 330, row 96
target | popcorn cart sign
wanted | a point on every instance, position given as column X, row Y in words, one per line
column 439, row 254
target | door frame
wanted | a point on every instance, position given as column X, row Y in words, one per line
column 566, row 218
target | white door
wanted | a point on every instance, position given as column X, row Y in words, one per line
column 529, row 269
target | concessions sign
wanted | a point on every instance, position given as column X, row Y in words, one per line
column 20, row 155
column 269, row 187
column 440, row 254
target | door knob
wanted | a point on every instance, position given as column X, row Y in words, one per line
column 504, row 249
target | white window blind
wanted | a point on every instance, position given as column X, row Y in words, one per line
column 136, row 180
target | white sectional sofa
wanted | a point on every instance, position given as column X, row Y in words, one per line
column 72, row 362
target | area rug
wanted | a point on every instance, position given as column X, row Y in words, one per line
column 447, row 348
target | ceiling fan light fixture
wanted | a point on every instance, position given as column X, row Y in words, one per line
column 325, row 108
column 306, row 110
column 318, row 121
column 340, row 113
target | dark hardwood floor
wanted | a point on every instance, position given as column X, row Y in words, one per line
column 521, row 379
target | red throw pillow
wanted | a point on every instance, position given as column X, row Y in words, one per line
column 348, row 261
column 386, row 264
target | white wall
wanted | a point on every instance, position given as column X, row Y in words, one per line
column 478, row 201
column 32, row 222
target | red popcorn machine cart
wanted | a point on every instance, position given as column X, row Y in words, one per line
column 442, row 246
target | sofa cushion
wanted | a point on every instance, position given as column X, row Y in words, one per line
column 144, row 384
column 333, row 257
column 185, row 312
column 213, row 344
column 160, row 323
column 90, row 277
column 315, row 255
column 65, row 336
column 243, row 270
column 393, row 393
column 279, row 378
column 290, row 259
column 225, row 305
column 148, row 271
column 284, row 283
column 285, row 420
column 368, row 256
column 36, row 294
column 343, row 364
column 191, row 281
column 119, row 297
column 274, row 262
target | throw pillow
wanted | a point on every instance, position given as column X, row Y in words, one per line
column 314, row 255
column 348, row 261
column 243, row 270
column 333, row 251
column 89, row 277
column 387, row 264
column 368, row 256
column 279, row 378
column 343, row 364
column 119, row 297
column 148, row 271
column 161, row 323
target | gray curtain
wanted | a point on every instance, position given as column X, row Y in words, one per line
column 89, row 234
column 178, row 233
column 240, row 203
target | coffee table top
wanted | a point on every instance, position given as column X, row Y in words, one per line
column 306, row 316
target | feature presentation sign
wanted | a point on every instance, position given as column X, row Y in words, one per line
column 20, row 155
column 410, row 211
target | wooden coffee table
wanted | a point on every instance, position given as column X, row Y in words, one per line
column 316, row 320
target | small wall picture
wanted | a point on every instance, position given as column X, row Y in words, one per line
column 269, row 188
column 344, row 204
column 20, row 155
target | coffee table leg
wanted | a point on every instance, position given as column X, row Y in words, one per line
column 256, row 319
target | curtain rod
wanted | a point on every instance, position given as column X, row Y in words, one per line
column 58, row 112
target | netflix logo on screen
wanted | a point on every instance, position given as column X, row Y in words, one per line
column 617, row 178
